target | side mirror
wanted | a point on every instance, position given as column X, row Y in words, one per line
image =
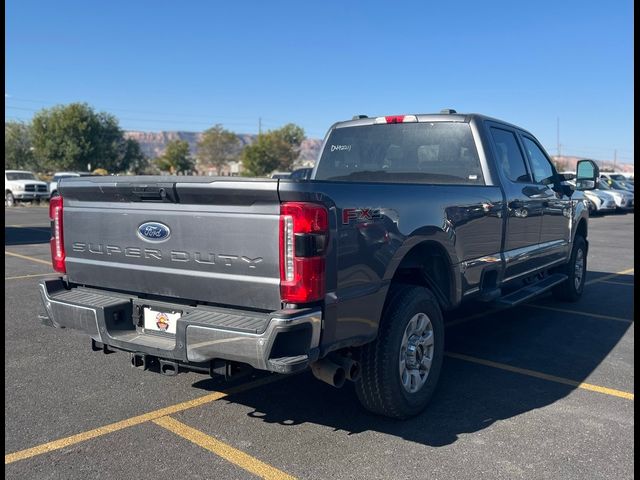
column 587, row 173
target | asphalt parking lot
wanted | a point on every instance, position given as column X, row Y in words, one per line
column 543, row 390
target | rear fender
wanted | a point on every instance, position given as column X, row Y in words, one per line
column 412, row 256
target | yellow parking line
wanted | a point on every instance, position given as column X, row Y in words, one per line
column 6, row 252
column 130, row 422
column 30, row 276
column 609, row 282
column 233, row 455
column 543, row 376
column 26, row 226
column 462, row 320
column 607, row 277
column 577, row 312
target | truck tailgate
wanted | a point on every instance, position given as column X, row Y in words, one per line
column 222, row 244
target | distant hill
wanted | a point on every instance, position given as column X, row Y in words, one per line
column 153, row 144
column 568, row 163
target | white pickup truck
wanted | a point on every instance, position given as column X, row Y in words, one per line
column 21, row 185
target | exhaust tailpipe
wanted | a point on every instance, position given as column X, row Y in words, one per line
column 329, row 372
column 351, row 367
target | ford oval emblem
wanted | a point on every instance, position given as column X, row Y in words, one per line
column 153, row 232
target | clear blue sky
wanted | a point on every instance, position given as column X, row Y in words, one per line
column 160, row 65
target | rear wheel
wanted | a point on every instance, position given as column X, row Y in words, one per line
column 576, row 271
column 9, row 199
column 400, row 369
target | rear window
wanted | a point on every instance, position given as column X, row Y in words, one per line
column 436, row 153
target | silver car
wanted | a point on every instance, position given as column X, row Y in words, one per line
column 623, row 197
column 600, row 201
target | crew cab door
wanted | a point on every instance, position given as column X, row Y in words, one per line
column 525, row 202
column 555, row 236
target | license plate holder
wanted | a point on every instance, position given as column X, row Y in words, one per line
column 161, row 320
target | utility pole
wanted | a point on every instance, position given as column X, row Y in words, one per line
column 615, row 157
column 259, row 125
column 558, row 136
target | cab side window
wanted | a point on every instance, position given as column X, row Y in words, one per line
column 540, row 165
column 509, row 156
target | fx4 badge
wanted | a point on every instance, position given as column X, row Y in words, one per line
column 359, row 214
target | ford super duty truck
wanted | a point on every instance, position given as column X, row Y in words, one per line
column 347, row 273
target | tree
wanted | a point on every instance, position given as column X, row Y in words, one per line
column 264, row 156
column 18, row 147
column 132, row 157
column 217, row 148
column 71, row 137
column 176, row 158
column 292, row 135
column 275, row 150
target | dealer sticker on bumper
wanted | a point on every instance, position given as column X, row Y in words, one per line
column 155, row 320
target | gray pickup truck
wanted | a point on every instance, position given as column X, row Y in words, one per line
column 347, row 273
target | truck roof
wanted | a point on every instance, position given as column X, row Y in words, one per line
column 454, row 116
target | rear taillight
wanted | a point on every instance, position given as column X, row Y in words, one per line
column 57, row 240
column 304, row 235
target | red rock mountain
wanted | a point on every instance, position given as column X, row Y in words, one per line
column 153, row 144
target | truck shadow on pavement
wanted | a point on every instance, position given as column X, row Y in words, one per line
column 470, row 396
column 26, row 235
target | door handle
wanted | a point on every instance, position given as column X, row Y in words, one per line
column 536, row 193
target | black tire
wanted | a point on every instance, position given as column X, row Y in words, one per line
column 9, row 200
column 380, row 388
column 571, row 290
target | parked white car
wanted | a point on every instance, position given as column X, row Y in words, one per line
column 604, row 198
column 600, row 201
column 53, row 185
column 623, row 198
column 21, row 185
